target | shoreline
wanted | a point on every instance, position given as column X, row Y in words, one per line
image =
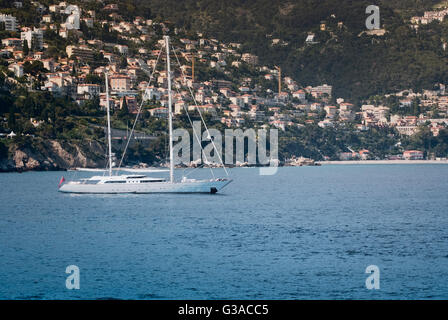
column 317, row 163
column 370, row 162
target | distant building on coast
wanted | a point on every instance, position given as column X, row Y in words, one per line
column 413, row 155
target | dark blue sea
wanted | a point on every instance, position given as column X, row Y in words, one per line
column 304, row 233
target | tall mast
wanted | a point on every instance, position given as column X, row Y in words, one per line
column 109, row 139
column 170, row 107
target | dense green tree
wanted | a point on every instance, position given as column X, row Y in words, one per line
column 441, row 147
column 34, row 68
column 123, row 62
column 3, row 151
column 26, row 49
column 94, row 79
column 12, row 123
column 124, row 111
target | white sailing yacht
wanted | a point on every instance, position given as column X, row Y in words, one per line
column 141, row 183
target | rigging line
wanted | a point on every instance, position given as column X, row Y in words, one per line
column 194, row 169
column 194, row 131
column 195, row 134
column 200, row 114
column 139, row 110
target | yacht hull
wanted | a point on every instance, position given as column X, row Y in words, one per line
column 200, row 186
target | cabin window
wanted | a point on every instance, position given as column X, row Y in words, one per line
column 91, row 181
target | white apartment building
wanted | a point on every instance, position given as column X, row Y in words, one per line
column 35, row 38
column 89, row 89
column 9, row 21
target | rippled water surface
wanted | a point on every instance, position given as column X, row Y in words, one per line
column 306, row 232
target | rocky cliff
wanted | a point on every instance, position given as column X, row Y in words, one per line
column 45, row 155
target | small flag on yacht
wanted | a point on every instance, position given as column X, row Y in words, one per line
column 61, row 182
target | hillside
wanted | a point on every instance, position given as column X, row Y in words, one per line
column 357, row 66
column 345, row 93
